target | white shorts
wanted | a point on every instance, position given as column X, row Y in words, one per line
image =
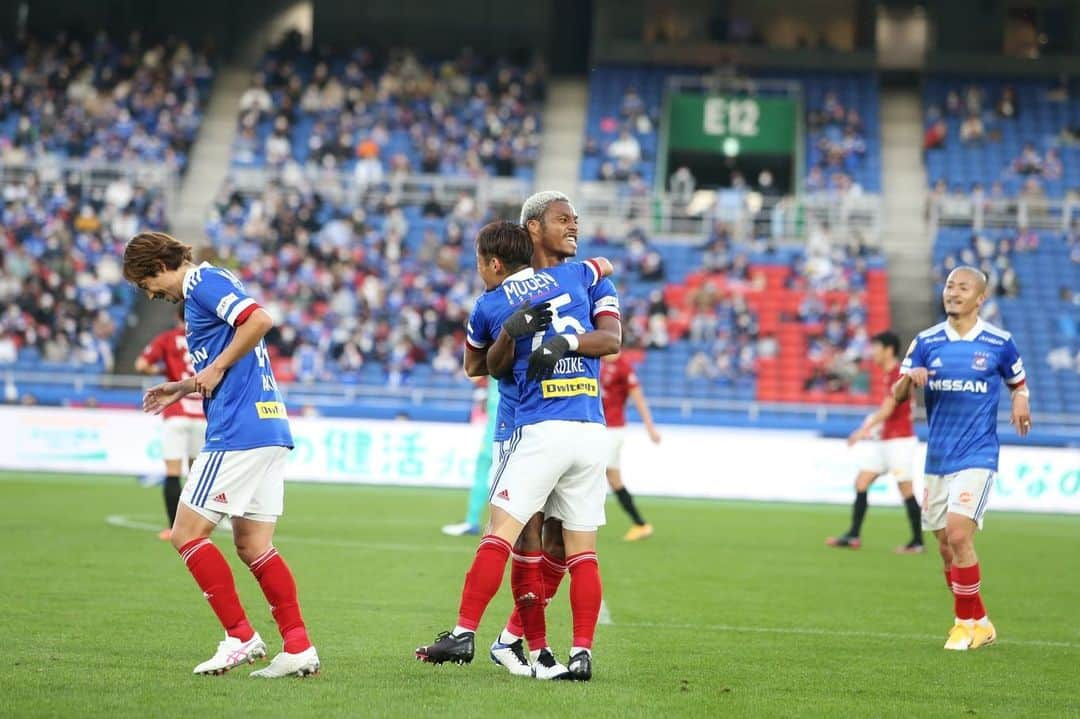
column 966, row 492
column 558, row 467
column 616, row 436
column 182, row 437
column 241, row 483
column 891, row 456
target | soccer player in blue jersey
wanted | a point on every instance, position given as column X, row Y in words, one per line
column 958, row 363
column 539, row 558
column 241, row 470
column 556, row 456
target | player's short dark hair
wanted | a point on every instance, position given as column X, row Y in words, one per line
column 147, row 252
column 507, row 241
column 888, row 339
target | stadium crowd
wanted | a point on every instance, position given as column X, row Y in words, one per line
column 376, row 115
column 62, row 298
column 101, row 99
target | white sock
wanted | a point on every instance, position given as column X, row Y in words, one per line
column 459, row 630
column 984, row 622
column 575, row 650
column 506, row 637
column 966, row 622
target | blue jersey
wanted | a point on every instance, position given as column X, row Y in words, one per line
column 576, row 295
column 962, row 392
column 246, row 409
column 605, row 301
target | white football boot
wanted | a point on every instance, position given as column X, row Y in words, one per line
column 232, row 652
column 284, row 664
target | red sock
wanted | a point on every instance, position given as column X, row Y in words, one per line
column 966, row 591
column 552, row 571
column 483, row 580
column 527, row 583
column 212, row 573
column 585, row 595
column 279, row 588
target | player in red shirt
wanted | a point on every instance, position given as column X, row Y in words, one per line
column 184, row 429
column 890, row 451
column 617, row 384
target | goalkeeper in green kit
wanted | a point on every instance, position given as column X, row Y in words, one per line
column 478, row 494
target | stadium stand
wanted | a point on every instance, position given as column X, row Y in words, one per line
column 624, row 112
column 372, row 115
column 63, row 303
column 101, row 100
column 998, row 138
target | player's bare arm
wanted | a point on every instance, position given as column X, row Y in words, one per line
column 888, row 405
column 475, row 362
column 144, row 367
column 245, row 340
column 160, row 396
column 1021, row 410
column 642, row 406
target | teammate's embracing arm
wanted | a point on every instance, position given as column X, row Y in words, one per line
column 605, row 339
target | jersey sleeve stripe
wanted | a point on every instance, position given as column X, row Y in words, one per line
column 1016, row 381
column 244, row 314
column 595, row 267
column 473, row 345
column 237, row 308
column 606, row 312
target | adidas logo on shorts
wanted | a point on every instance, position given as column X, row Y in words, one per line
column 220, row 498
column 503, row 495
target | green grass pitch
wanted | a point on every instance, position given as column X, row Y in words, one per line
column 732, row 609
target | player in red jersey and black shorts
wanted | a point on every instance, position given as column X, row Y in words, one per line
column 891, row 451
column 617, row 384
column 184, row 429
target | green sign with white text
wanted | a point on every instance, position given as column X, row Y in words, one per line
column 732, row 125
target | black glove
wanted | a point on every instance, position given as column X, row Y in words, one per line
column 528, row 320
column 543, row 359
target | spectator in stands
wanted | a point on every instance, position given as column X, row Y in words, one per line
column 1007, row 106
column 1052, row 167
column 1061, row 359
column 681, row 185
column 625, row 150
column 1028, row 162
column 935, row 135
column 972, row 130
column 256, row 98
column 1008, row 283
column 368, row 171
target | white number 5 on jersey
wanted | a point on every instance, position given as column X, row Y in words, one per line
column 558, row 323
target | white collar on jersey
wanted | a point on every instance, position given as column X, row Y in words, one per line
column 189, row 279
column 953, row 335
column 522, row 274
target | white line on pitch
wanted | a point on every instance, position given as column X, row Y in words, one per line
column 605, row 614
column 815, row 631
column 119, row 520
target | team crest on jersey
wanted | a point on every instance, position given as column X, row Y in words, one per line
column 979, row 362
